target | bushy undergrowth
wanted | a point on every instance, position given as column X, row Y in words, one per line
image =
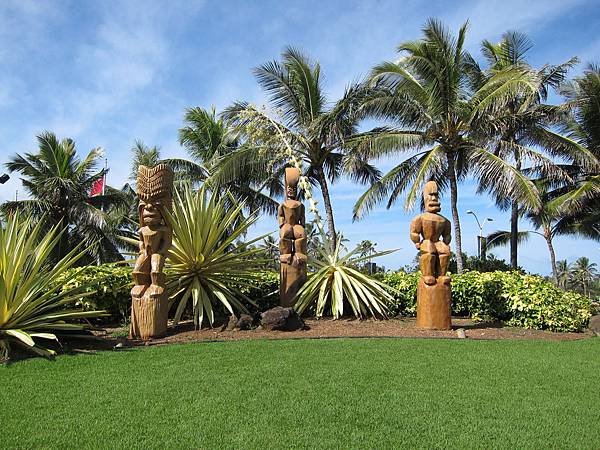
column 110, row 285
column 521, row 300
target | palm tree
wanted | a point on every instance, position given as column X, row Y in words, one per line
column 208, row 139
column 584, row 273
column 563, row 274
column 581, row 200
column 300, row 126
column 59, row 184
column 525, row 123
column 430, row 101
column 142, row 155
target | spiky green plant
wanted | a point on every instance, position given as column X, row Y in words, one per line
column 209, row 262
column 33, row 308
column 337, row 279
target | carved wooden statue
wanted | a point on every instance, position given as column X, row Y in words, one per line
column 434, row 293
column 292, row 240
column 150, row 305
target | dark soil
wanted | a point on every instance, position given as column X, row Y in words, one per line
column 328, row 328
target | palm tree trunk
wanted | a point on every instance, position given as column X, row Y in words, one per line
column 514, row 235
column 455, row 216
column 548, row 236
column 514, row 226
column 328, row 207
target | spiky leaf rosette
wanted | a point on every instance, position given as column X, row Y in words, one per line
column 209, row 262
column 33, row 309
column 337, row 280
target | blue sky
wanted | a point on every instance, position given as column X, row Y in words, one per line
column 108, row 72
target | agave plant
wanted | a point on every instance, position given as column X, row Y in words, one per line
column 209, row 262
column 337, row 279
column 33, row 306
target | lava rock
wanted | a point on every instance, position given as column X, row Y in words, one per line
column 245, row 322
column 594, row 325
column 231, row 324
column 282, row 319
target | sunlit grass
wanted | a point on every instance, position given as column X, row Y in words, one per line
column 341, row 393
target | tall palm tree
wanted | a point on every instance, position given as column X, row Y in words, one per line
column 584, row 273
column 208, row 139
column 430, row 103
column 582, row 199
column 300, row 125
column 59, row 183
column 526, row 122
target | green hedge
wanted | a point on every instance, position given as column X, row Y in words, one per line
column 111, row 284
column 520, row 300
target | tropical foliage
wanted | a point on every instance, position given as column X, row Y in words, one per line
column 432, row 101
column 520, row 300
column 59, row 184
column 208, row 262
column 337, row 282
column 105, row 287
column 34, row 308
column 302, row 121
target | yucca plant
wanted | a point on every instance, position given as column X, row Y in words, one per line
column 33, row 308
column 209, row 262
column 337, row 279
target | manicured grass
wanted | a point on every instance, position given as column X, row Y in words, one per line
column 346, row 393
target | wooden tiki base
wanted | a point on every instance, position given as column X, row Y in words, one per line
column 433, row 306
column 149, row 317
column 291, row 280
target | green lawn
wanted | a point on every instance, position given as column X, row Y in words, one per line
column 342, row 393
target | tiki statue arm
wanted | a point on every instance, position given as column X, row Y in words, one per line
column 416, row 228
column 447, row 234
column 280, row 216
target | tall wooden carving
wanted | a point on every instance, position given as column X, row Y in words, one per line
column 292, row 240
column 434, row 293
column 150, row 305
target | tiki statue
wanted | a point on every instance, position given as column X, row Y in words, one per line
column 292, row 240
column 433, row 295
column 149, row 299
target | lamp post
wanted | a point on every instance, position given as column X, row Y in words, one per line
column 481, row 244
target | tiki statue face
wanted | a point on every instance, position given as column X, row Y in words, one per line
column 155, row 186
column 151, row 212
column 431, row 197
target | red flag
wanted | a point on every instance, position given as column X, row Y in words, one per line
column 97, row 187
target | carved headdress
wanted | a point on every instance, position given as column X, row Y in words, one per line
column 292, row 176
column 155, row 185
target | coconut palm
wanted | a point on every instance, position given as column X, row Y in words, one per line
column 581, row 200
column 563, row 274
column 430, row 103
column 208, row 139
column 300, row 125
column 59, row 183
column 583, row 274
column 142, row 155
column 525, row 123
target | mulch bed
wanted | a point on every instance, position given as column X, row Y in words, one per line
column 328, row 328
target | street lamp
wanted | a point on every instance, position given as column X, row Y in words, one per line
column 481, row 244
column 4, row 178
